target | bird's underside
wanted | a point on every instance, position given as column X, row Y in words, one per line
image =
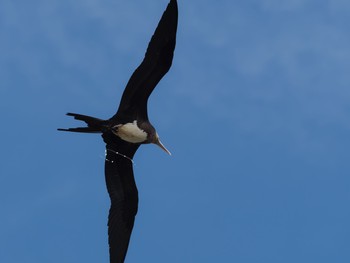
column 120, row 149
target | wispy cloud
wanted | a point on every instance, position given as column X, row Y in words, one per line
column 268, row 68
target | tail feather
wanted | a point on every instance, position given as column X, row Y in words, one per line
column 81, row 129
column 95, row 125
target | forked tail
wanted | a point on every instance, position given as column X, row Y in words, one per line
column 94, row 125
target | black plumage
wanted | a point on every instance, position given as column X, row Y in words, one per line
column 123, row 193
column 128, row 129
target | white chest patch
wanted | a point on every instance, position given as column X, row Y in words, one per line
column 130, row 132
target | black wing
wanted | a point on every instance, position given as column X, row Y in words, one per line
column 122, row 190
column 155, row 65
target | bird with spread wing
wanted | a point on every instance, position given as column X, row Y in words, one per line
column 128, row 129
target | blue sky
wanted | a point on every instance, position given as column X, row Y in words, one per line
column 255, row 111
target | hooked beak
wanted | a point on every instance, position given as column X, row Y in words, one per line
column 159, row 143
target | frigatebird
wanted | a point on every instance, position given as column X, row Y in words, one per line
column 128, row 129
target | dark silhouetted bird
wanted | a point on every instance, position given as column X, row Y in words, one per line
column 128, row 129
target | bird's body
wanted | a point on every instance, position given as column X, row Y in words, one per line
column 128, row 129
column 130, row 132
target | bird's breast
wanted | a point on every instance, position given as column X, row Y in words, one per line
column 130, row 132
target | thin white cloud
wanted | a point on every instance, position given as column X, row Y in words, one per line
column 265, row 72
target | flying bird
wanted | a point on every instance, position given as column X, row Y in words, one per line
column 130, row 127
